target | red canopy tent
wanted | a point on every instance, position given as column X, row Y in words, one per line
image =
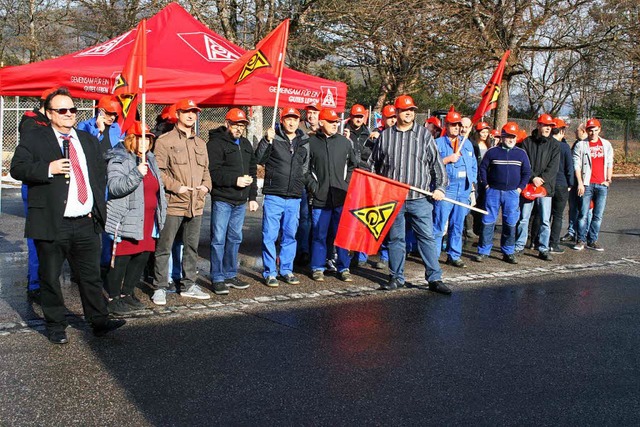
column 184, row 60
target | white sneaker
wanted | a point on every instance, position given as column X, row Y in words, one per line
column 194, row 291
column 159, row 297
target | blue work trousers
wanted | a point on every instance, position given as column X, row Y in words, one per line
column 509, row 202
column 279, row 214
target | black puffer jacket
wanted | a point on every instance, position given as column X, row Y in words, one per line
column 227, row 162
column 286, row 164
column 331, row 162
column 544, row 155
column 360, row 143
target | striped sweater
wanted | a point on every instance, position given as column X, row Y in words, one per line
column 505, row 169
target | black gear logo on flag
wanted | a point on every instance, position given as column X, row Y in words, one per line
column 120, row 83
column 126, row 100
column 257, row 61
column 375, row 218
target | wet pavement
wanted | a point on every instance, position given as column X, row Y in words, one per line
column 547, row 343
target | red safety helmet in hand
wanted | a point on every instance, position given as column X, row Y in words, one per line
column 531, row 192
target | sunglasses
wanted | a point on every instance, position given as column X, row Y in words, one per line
column 63, row 111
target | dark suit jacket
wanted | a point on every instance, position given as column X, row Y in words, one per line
column 47, row 197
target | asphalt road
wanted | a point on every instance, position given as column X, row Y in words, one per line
column 546, row 344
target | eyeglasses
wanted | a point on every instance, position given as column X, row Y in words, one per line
column 237, row 125
column 63, row 111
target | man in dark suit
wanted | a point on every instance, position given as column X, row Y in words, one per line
column 66, row 211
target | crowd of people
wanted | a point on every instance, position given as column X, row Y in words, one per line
column 119, row 206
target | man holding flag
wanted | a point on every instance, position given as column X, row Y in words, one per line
column 407, row 152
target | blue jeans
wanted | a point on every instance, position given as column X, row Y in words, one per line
column 279, row 214
column 384, row 253
column 33, row 280
column 509, row 201
column 325, row 221
column 522, row 231
column 454, row 215
column 304, row 225
column 175, row 258
column 598, row 193
column 226, row 236
column 420, row 213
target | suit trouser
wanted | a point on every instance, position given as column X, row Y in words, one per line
column 77, row 242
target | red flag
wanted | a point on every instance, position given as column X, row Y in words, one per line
column 131, row 83
column 267, row 57
column 491, row 92
column 371, row 206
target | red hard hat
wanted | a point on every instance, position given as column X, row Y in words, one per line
column 494, row 133
column 358, row 110
column 558, row 123
column 593, row 123
column 434, row 121
column 404, row 102
column 531, row 192
column 482, row 125
column 510, row 128
column 329, row 115
column 522, row 135
column 546, row 119
column 453, row 117
column 109, row 104
column 186, row 105
column 388, row 111
column 236, row 115
column 169, row 113
column 136, row 129
column 289, row 112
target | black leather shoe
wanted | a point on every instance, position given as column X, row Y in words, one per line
column 33, row 296
column 511, row 258
column 110, row 325
column 545, row 256
column 456, row 262
column 58, row 337
column 439, row 287
column 391, row 285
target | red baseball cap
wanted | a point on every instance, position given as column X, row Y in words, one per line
column 169, row 113
column 404, row 102
column 388, row 111
column 358, row 110
column 186, row 105
column 434, row 121
column 593, row 123
column 137, row 128
column 495, row 133
column 328, row 115
column 315, row 106
column 236, row 115
column 482, row 125
column 289, row 112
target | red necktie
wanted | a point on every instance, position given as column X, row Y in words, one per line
column 77, row 171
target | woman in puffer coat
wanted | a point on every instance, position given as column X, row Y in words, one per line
column 136, row 210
